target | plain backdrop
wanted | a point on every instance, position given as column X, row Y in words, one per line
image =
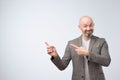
column 26, row 24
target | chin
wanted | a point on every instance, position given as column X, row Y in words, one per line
column 88, row 35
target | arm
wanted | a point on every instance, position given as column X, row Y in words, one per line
column 102, row 56
column 61, row 64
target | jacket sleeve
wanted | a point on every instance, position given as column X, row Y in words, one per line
column 61, row 64
column 101, row 56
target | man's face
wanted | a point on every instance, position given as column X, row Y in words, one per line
column 87, row 26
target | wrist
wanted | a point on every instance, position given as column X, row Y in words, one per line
column 87, row 53
column 55, row 55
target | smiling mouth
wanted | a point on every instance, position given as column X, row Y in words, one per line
column 88, row 31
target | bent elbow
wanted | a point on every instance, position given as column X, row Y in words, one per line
column 61, row 68
column 107, row 62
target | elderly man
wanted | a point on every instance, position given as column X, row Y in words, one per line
column 87, row 52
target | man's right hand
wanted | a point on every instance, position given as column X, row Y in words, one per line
column 51, row 50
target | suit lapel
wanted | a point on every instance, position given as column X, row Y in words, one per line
column 80, row 41
column 93, row 39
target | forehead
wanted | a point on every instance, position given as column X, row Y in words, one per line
column 86, row 20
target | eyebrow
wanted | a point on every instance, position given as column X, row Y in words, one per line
column 90, row 24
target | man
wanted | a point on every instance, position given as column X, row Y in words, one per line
column 87, row 52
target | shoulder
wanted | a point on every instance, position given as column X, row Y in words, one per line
column 99, row 40
column 75, row 40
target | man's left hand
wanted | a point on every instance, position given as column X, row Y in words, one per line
column 80, row 50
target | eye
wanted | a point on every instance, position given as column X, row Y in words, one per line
column 91, row 25
column 85, row 26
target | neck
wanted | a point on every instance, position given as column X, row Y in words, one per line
column 86, row 38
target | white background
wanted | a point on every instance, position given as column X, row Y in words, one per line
column 26, row 24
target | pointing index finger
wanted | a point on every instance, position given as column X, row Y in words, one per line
column 47, row 44
column 73, row 45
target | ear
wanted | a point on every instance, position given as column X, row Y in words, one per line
column 79, row 26
column 93, row 24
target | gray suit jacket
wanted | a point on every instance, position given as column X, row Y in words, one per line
column 99, row 56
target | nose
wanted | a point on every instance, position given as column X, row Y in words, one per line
column 88, row 27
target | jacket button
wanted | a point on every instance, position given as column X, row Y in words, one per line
column 82, row 76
